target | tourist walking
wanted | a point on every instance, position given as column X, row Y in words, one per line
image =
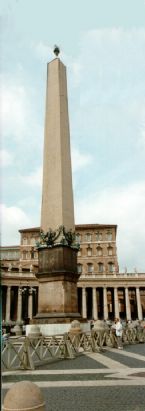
column 118, row 331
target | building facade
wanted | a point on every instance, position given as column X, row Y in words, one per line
column 103, row 292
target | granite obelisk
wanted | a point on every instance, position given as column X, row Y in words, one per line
column 57, row 194
column 57, row 251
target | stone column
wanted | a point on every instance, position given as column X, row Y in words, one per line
column 127, row 302
column 105, row 304
column 84, row 303
column 30, row 303
column 139, row 307
column 95, row 306
column 19, row 306
column 116, row 304
column 8, row 303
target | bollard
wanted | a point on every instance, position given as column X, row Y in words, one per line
column 34, row 332
column 24, row 395
column 75, row 328
column 17, row 330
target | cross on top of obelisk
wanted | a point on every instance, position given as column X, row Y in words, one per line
column 56, row 50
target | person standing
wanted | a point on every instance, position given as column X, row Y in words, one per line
column 119, row 331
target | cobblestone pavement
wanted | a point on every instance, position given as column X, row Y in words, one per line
column 112, row 380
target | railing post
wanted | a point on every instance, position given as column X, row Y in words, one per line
column 27, row 358
column 68, row 351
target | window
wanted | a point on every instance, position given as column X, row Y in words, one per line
column 90, row 268
column 99, row 251
column 88, row 237
column 33, row 241
column 78, row 238
column 32, row 253
column 100, row 266
column 36, row 255
column 110, row 251
column 79, row 267
column 98, row 236
column 25, row 241
column 89, row 251
column 24, row 255
column 109, row 236
column 111, row 267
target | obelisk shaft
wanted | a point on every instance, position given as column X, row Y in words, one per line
column 57, row 194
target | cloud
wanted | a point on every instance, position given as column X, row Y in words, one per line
column 13, row 110
column 76, row 67
column 80, row 160
column 6, row 158
column 142, row 134
column 12, row 219
column 108, row 109
column 33, row 179
column 112, row 77
column 43, row 51
column 18, row 116
column 124, row 206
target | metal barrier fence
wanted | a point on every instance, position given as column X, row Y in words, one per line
column 29, row 353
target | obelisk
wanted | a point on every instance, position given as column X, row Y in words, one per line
column 57, row 251
column 57, row 194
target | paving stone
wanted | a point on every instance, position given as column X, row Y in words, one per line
column 96, row 399
column 80, row 362
column 100, row 398
column 136, row 348
column 128, row 361
column 58, row 377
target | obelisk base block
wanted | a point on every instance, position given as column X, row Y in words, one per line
column 57, row 276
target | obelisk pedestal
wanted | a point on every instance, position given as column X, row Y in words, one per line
column 57, row 285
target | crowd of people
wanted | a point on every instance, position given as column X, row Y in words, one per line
column 117, row 326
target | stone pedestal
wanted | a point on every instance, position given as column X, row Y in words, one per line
column 57, row 276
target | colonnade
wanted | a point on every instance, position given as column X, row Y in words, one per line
column 115, row 301
column 98, row 307
column 18, row 302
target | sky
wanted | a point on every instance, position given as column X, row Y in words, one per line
column 102, row 44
